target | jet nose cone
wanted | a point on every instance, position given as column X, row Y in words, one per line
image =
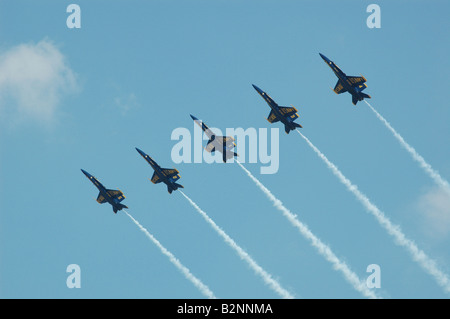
column 193, row 117
column 140, row 152
column 85, row 173
column 257, row 89
column 324, row 58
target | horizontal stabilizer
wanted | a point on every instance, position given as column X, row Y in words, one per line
column 171, row 173
column 117, row 194
column 289, row 112
column 356, row 80
column 219, row 143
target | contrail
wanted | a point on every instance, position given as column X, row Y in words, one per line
column 416, row 156
column 243, row 254
column 394, row 230
column 186, row 272
column 322, row 248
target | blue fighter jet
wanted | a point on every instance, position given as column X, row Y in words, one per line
column 223, row 144
column 351, row 84
column 166, row 175
column 286, row 115
column 112, row 196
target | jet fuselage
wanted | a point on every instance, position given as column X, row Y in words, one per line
column 287, row 121
column 104, row 192
column 223, row 144
column 346, row 81
column 159, row 172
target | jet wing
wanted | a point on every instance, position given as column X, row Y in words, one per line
column 228, row 142
column 272, row 117
column 289, row 112
column 339, row 88
column 171, row 173
column 356, row 80
column 116, row 194
column 220, row 142
column 210, row 146
column 101, row 199
column 155, row 178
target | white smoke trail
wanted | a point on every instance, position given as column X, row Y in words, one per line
column 322, row 248
column 243, row 254
column 416, row 156
column 186, row 272
column 418, row 255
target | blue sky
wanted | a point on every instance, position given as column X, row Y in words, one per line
column 134, row 71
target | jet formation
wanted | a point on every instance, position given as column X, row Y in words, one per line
column 223, row 144
column 286, row 115
column 351, row 84
column 111, row 196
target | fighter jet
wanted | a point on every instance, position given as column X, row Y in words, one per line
column 286, row 115
column 112, row 196
column 223, row 144
column 166, row 175
column 351, row 84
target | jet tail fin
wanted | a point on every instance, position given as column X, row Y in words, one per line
column 364, row 96
column 175, row 187
column 226, row 155
column 178, row 185
column 288, row 129
column 119, row 207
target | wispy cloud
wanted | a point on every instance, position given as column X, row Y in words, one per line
column 126, row 103
column 434, row 209
column 33, row 80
